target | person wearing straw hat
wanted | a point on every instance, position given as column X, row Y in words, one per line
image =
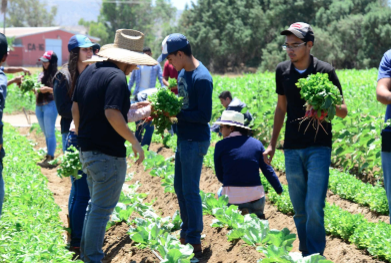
column 238, row 158
column 195, row 85
column 101, row 102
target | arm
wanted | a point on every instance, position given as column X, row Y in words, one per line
column 12, row 70
column 139, row 114
column 218, row 164
column 203, row 113
column 46, row 89
column 341, row 110
column 76, row 116
column 61, row 97
column 16, row 80
column 269, row 173
column 2, row 102
column 118, row 122
column 279, row 116
column 383, row 92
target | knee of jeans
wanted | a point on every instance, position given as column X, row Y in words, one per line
column 101, row 211
column 315, row 208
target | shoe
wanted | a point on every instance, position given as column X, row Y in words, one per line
column 46, row 164
column 182, row 240
column 262, row 217
column 245, row 211
column 76, row 251
column 197, row 250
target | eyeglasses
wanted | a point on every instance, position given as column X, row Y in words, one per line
column 293, row 47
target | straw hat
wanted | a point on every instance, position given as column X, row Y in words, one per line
column 127, row 48
column 232, row 118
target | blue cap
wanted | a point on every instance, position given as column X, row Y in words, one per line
column 172, row 43
column 79, row 41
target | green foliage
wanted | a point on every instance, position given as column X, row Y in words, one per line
column 172, row 82
column 31, row 230
column 70, row 164
column 165, row 105
column 30, row 13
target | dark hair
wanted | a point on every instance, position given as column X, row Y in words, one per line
column 242, row 131
column 306, row 39
column 147, row 49
column 186, row 50
column 50, row 72
column 3, row 45
column 73, row 69
column 225, row 94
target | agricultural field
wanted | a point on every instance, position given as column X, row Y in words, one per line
column 144, row 226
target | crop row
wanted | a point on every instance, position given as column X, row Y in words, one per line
column 338, row 222
column 31, row 230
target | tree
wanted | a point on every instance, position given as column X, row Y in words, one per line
column 30, row 13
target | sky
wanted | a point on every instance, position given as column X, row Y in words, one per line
column 180, row 4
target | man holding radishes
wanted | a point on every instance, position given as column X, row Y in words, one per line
column 384, row 96
column 307, row 148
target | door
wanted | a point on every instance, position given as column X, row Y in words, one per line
column 56, row 46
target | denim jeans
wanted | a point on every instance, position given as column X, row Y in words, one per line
column 105, row 177
column 307, row 172
column 149, row 128
column 2, row 187
column 188, row 164
column 386, row 165
column 256, row 207
column 78, row 199
column 47, row 115
column 64, row 137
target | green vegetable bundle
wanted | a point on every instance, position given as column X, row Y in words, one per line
column 70, row 164
column 322, row 97
column 165, row 105
column 172, row 83
column 28, row 84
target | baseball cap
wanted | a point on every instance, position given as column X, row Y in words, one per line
column 301, row 30
column 79, row 41
column 47, row 56
column 3, row 45
column 172, row 43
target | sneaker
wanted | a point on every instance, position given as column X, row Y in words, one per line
column 76, row 251
column 46, row 163
column 197, row 250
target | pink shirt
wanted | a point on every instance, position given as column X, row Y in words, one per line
column 241, row 195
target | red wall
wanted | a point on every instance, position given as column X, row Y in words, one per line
column 34, row 47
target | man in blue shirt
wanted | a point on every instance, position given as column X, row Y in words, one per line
column 3, row 94
column 195, row 85
column 145, row 78
column 384, row 96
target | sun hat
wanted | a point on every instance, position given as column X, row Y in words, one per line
column 232, row 118
column 172, row 43
column 48, row 56
column 127, row 48
column 79, row 41
column 301, row 30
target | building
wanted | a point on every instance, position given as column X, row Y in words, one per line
column 31, row 42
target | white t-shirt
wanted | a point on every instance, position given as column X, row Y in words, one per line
column 145, row 77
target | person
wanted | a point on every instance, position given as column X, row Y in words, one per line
column 80, row 49
column 170, row 72
column 145, row 78
column 100, row 107
column 307, row 157
column 3, row 94
column 383, row 92
column 238, row 158
column 12, row 70
column 45, row 109
column 195, row 85
column 234, row 104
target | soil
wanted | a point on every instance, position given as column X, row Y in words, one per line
column 120, row 248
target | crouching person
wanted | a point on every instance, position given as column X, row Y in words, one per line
column 237, row 159
column 100, row 107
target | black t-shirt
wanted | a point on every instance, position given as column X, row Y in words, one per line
column 286, row 78
column 101, row 86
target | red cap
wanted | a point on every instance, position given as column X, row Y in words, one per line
column 47, row 56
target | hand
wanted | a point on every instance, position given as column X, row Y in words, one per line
column 18, row 80
column 26, row 71
column 280, row 193
column 1, row 147
column 45, row 90
column 142, row 104
column 268, row 155
column 138, row 150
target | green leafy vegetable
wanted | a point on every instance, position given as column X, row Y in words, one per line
column 172, row 83
column 70, row 164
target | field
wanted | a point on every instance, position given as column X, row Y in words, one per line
column 145, row 221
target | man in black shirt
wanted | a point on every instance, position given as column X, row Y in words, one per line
column 307, row 161
column 101, row 101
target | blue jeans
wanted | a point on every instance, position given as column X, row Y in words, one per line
column 256, row 207
column 47, row 115
column 64, row 137
column 188, row 164
column 307, row 172
column 386, row 165
column 78, row 199
column 105, row 177
column 2, row 187
column 149, row 128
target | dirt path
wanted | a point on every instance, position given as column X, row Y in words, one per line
column 20, row 120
